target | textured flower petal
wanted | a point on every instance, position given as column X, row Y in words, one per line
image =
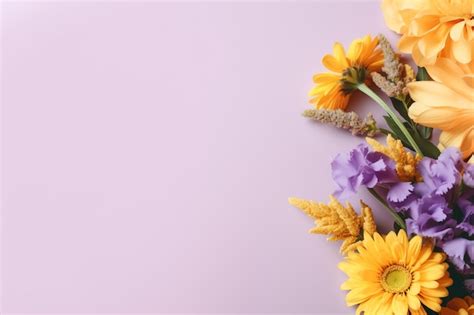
column 462, row 50
column 450, row 74
column 340, row 55
column 400, row 304
column 332, row 63
column 399, row 192
column 463, row 140
column 432, row 28
column 457, row 30
column 413, row 302
column 392, row 16
column 431, row 44
column 438, row 94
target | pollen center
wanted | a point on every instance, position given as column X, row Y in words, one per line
column 396, row 279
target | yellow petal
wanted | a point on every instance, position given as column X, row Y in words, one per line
column 332, row 63
column 464, row 140
column 392, row 16
column 432, row 43
column 340, row 55
column 450, row 74
column 413, row 302
column 462, row 50
column 457, row 30
column 400, row 304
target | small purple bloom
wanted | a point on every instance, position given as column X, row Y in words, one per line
column 361, row 167
column 469, row 284
column 440, row 176
column 431, row 218
column 461, row 254
column 469, row 175
column 466, row 205
column 399, row 192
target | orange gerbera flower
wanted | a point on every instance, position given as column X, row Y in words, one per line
column 333, row 89
column 433, row 28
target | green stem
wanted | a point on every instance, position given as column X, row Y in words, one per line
column 366, row 90
column 398, row 219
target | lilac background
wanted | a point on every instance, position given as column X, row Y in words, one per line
column 148, row 150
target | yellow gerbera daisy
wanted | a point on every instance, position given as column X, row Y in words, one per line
column 458, row 306
column 433, row 28
column 446, row 103
column 362, row 58
column 394, row 275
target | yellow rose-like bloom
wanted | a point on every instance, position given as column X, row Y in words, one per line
column 458, row 306
column 446, row 103
column 433, row 28
column 394, row 275
column 362, row 58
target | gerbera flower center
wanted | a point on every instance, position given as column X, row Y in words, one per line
column 396, row 279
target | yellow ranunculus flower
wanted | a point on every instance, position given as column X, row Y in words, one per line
column 433, row 28
column 446, row 103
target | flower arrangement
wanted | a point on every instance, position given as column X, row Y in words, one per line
column 426, row 264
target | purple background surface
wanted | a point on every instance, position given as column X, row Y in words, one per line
column 148, row 150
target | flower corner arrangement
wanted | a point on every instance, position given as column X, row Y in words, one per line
column 426, row 264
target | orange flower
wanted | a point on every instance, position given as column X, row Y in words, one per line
column 458, row 306
column 433, row 28
column 446, row 103
column 362, row 58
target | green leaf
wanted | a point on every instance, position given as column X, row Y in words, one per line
column 396, row 132
column 425, row 132
column 427, row 148
column 400, row 108
column 422, row 75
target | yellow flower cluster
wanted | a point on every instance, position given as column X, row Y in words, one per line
column 337, row 221
column 405, row 161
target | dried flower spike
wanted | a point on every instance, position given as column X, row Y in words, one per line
column 345, row 120
column 338, row 222
column 396, row 75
